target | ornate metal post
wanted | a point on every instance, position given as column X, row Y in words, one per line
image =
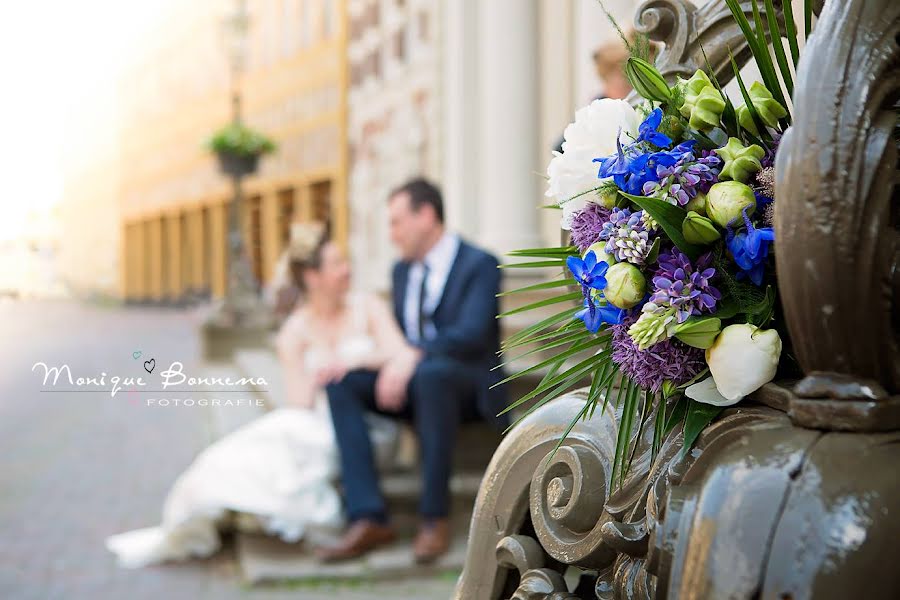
column 241, row 317
column 793, row 495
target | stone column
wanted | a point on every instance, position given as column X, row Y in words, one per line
column 510, row 189
column 460, row 135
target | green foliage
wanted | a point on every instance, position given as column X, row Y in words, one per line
column 236, row 139
column 775, row 36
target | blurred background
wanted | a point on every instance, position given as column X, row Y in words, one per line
column 114, row 231
column 109, row 192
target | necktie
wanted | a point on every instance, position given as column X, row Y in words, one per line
column 422, row 290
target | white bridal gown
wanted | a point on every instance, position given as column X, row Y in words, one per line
column 278, row 470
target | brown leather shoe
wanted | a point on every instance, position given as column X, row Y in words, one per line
column 432, row 541
column 363, row 536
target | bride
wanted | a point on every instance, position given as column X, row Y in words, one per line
column 277, row 471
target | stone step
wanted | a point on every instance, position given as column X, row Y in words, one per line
column 266, row 559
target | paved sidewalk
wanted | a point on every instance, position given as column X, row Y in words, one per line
column 76, row 467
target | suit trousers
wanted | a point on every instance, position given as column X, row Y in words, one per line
column 441, row 394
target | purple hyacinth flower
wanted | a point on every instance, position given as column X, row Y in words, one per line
column 684, row 286
column 587, row 224
column 668, row 360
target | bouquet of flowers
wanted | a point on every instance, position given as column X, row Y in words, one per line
column 669, row 207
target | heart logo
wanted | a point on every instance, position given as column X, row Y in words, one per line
column 149, row 365
column 136, row 354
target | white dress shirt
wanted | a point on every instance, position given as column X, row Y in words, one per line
column 439, row 261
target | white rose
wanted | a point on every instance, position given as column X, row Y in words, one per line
column 741, row 360
column 592, row 135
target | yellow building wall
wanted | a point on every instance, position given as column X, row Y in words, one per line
column 175, row 93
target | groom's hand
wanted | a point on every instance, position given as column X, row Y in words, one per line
column 393, row 379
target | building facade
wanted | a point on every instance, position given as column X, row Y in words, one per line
column 175, row 93
column 472, row 94
column 360, row 95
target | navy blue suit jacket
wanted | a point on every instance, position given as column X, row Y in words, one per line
column 466, row 322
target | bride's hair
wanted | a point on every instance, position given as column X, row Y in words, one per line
column 305, row 249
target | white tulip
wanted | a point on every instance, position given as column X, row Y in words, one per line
column 592, row 135
column 741, row 360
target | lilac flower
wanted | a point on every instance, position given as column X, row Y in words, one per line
column 684, row 286
column 668, row 360
column 750, row 249
column 594, row 314
column 587, row 224
column 680, row 181
column 647, row 132
column 627, row 237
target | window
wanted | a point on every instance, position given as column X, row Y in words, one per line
column 285, row 215
column 400, row 45
column 423, row 26
column 320, row 195
column 253, row 235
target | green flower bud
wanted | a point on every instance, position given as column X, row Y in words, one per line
column 727, row 200
column 699, row 332
column 625, row 285
column 703, row 104
column 740, row 161
column 766, row 106
column 646, row 80
column 652, row 327
column 599, row 249
column 697, row 229
column 691, row 89
column 707, row 112
column 697, row 203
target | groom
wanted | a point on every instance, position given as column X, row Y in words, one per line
column 444, row 296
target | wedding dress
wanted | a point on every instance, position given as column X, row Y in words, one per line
column 278, row 470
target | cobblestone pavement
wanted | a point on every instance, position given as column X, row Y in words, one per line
column 77, row 467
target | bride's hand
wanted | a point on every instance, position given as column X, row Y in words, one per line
column 393, row 379
column 332, row 373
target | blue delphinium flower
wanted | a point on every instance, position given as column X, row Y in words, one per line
column 647, row 131
column 588, row 273
column 595, row 314
column 635, row 164
column 616, row 164
column 750, row 249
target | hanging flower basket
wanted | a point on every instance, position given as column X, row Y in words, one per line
column 237, row 165
column 238, row 148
